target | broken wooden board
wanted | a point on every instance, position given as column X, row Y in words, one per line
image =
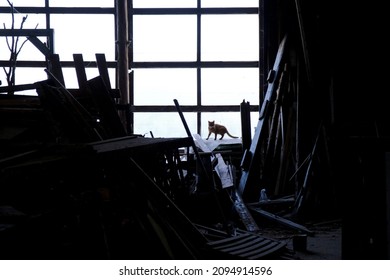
column 221, row 168
column 281, row 220
column 244, row 213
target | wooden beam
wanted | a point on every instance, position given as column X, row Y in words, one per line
column 103, row 70
column 248, row 186
column 40, row 46
column 281, row 220
column 26, row 32
column 80, row 70
column 55, row 68
column 245, row 125
column 17, row 88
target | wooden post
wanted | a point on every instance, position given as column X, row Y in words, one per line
column 245, row 125
column 123, row 58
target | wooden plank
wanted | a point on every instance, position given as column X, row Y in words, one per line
column 17, row 88
column 55, row 68
column 209, row 180
column 67, row 112
column 248, row 186
column 239, row 205
column 40, row 46
column 245, row 125
column 243, row 213
column 303, row 190
column 132, row 143
column 25, row 32
column 103, row 70
column 281, row 220
column 108, row 113
column 80, row 70
column 274, row 147
column 173, row 219
column 288, row 201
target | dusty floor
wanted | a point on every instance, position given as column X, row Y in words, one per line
column 323, row 244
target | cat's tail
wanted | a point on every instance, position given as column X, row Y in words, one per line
column 227, row 132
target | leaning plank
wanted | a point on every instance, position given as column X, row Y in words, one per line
column 281, row 220
column 205, row 172
column 103, row 70
column 80, row 70
column 248, row 185
column 40, row 46
column 110, row 119
column 55, row 68
column 239, row 205
column 173, row 220
column 67, row 116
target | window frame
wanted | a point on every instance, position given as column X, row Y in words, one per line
column 198, row 64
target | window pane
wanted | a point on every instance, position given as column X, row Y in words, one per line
column 164, row 4
column 82, row 3
column 230, row 86
column 231, row 120
column 164, row 38
column 230, row 37
column 161, row 86
column 163, row 124
column 27, row 50
column 85, row 34
column 230, row 3
column 25, row 75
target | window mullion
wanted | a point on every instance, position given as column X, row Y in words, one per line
column 198, row 71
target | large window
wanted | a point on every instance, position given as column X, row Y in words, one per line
column 204, row 53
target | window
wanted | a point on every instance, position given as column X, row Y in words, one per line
column 204, row 53
column 206, row 57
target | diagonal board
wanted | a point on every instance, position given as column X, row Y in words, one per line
column 251, row 170
column 239, row 205
column 281, row 220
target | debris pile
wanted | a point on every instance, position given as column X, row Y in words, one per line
column 75, row 185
